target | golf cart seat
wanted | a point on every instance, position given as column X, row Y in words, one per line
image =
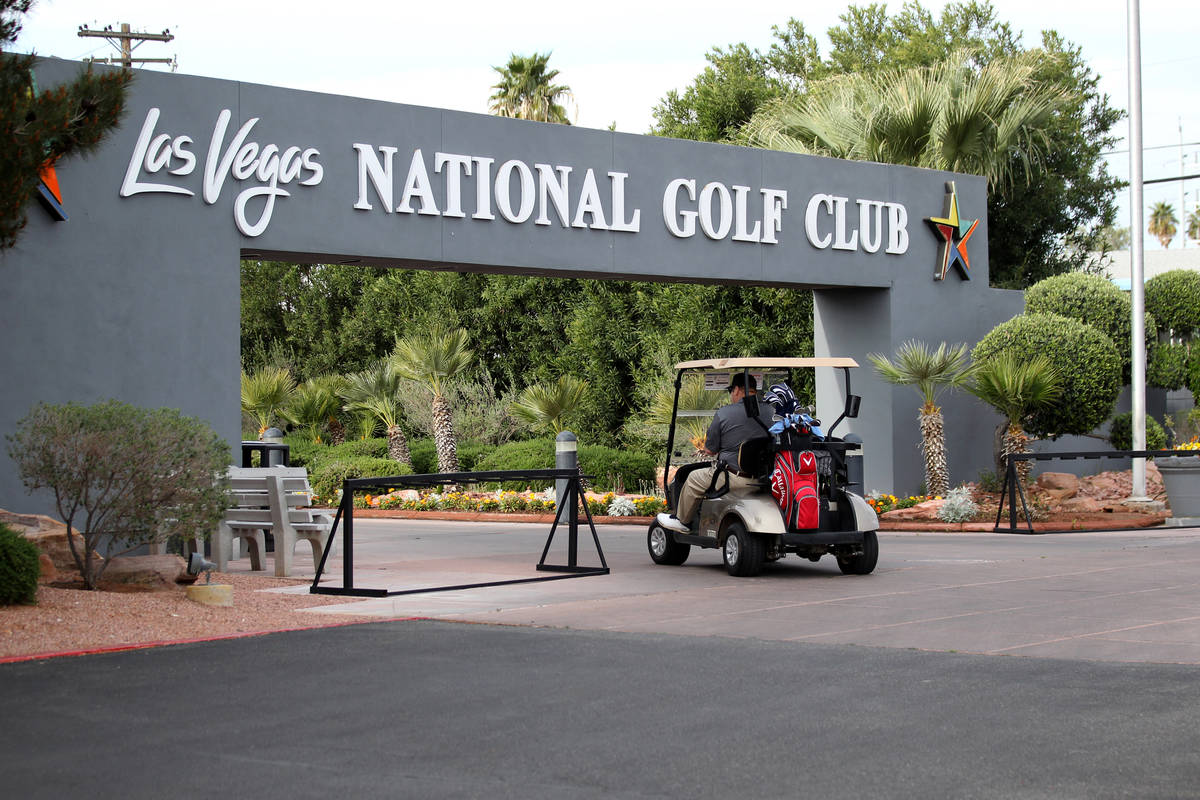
column 756, row 457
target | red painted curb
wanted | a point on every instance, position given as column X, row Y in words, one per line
column 165, row 642
column 484, row 516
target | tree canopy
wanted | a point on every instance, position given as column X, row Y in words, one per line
column 1044, row 223
column 619, row 336
column 526, row 90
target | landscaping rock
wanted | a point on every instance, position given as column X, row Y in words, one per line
column 49, row 535
column 145, row 573
column 1058, row 485
column 921, row 511
column 1081, row 505
column 47, row 572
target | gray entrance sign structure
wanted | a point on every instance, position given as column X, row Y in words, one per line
column 136, row 296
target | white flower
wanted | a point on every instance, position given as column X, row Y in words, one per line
column 621, row 507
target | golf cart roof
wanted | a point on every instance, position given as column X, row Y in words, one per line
column 765, row 363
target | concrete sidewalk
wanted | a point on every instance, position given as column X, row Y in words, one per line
column 1129, row 596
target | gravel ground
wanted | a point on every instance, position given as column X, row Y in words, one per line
column 73, row 619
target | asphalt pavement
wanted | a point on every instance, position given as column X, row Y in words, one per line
column 941, row 675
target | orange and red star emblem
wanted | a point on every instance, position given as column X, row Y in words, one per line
column 955, row 232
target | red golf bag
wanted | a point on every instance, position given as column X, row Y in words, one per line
column 794, row 486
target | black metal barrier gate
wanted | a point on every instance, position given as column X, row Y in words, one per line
column 571, row 500
column 1012, row 487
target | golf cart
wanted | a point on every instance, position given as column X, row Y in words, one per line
column 800, row 501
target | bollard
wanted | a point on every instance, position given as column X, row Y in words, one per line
column 854, row 464
column 273, row 457
column 566, row 456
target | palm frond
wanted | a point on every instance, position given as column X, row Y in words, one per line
column 433, row 356
column 545, row 405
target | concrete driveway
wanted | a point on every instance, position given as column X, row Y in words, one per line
column 1129, row 596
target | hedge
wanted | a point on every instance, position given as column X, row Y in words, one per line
column 327, row 476
column 1086, row 360
column 19, row 568
column 1095, row 301
column 1120, row 434
column 424, row 454
column 609, row 467
column 1173, row 298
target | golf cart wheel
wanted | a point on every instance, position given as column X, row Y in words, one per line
column 743, row 551
column 864, row 562
column 663, row 547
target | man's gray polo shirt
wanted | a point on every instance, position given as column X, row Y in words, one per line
column 730, row 427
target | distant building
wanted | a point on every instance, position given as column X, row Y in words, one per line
column 1155, row 262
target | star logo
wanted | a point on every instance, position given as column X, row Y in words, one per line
column 954, row 233
column 50, row 194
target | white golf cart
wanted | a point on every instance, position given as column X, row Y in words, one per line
column 792, row 462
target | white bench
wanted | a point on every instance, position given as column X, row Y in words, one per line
column 270, row 499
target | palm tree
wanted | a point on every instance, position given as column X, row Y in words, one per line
column 1018, row 388
column 265, row 394
column 315, row 404
column 1162, row 223
column 931, row 372
column 526, row 90
column 953, row 116
column 1193, row 224
column 431, row 359
column 545, row 405
column 692, row 397
column 374, row 394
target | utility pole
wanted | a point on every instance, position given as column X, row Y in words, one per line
column 126, row 40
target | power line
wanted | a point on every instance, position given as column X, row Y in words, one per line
column 1156, row 147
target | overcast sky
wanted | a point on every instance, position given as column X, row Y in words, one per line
column 619, row 57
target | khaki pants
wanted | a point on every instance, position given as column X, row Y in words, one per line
column 697, row 483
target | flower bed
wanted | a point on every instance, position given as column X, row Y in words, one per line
column 510, row 502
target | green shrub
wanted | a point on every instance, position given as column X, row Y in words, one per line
column 1086, row 361
column 424, row 456
column 1095, row 301
column 302, row 450
column 1173, row 298
column 170, row 470
column 19, row 568
column 1167, row 366
column 327, row 476
column 525, row 455
column 616, row 470
column 470, row 452
column 611, row 468
column 1120, row 434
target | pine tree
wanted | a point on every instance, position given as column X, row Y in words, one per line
column 37, row 128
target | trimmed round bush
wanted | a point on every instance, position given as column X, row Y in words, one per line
column 327, row 476
column 1086, row 360
column 19, row 568
column 1173, row 298
column 1095, row 301
column 1120, row 434
column 1167, row 366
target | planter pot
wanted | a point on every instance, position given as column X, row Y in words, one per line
column 1181, row 479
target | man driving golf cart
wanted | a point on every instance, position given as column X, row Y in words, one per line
column 731, row 426
column 781, row 483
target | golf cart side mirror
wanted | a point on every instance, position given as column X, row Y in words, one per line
column 852, row 403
